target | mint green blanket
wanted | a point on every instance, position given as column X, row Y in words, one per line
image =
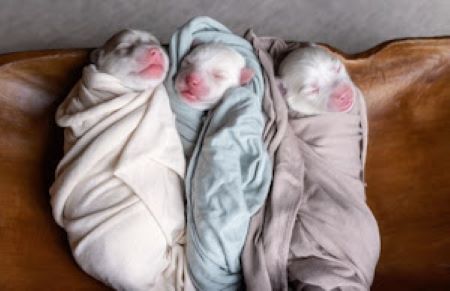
column 229, row 170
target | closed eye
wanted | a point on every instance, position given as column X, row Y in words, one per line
column 123, row 48
column 123, row 45
column 313, row 90
column 218, row 75
column 185, row 63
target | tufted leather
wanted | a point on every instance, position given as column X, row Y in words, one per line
column 407, row 86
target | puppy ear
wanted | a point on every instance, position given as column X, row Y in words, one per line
column 246, row 75
column 96, row 56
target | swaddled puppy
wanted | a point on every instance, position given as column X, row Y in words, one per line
column 316, row 82
column 221, row 122
column 118, row 189
column 207, row 72
column 135, row 57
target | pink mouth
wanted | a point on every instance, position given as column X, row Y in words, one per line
column 341, row 106
column 341, row 99
column 189, row 96
column 344, row 106
column 153, row 71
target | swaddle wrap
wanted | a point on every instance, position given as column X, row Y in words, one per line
column 315, row 231
column 229, row 171
column 118, row 190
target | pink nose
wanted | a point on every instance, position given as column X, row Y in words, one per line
column 342, row 97
column 342, row 94
column 193, row 80
column 154, row 56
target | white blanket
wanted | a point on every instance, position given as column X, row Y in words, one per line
column 119, row 187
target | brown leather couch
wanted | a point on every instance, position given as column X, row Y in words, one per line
column 407, row 86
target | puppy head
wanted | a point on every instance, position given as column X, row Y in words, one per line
column 135, row 57
column 207, row 72
column 316, row 82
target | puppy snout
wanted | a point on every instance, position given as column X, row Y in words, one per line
column 154, row 56
column 153, row 52
column 341, row 98
column 193, row 80
column 342, row 94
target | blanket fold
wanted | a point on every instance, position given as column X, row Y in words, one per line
column 315, row 231
column 118, row 190
column 229, row 170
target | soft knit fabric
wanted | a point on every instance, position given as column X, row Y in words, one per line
column 315, row 231
column 229, row 170
column 118, row 190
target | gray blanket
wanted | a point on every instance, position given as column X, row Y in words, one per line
column 315, row 231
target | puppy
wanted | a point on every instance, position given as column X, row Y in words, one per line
column 316, row 82
column 134, row 57
column 125, row 159
column 207, row 72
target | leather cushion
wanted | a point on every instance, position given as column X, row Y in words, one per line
column 407, row 86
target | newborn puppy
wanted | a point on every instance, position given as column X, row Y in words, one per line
column 119, row 196
column 134, row 57
column 316, row 82
column 207, row 72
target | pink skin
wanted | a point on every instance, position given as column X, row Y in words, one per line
column 155, row 63
column 246, row 76
column 194, row 88
column 341, row 98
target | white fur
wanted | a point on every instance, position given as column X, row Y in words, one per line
column 210, row 61
column 122, row 55
column 307, row 69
